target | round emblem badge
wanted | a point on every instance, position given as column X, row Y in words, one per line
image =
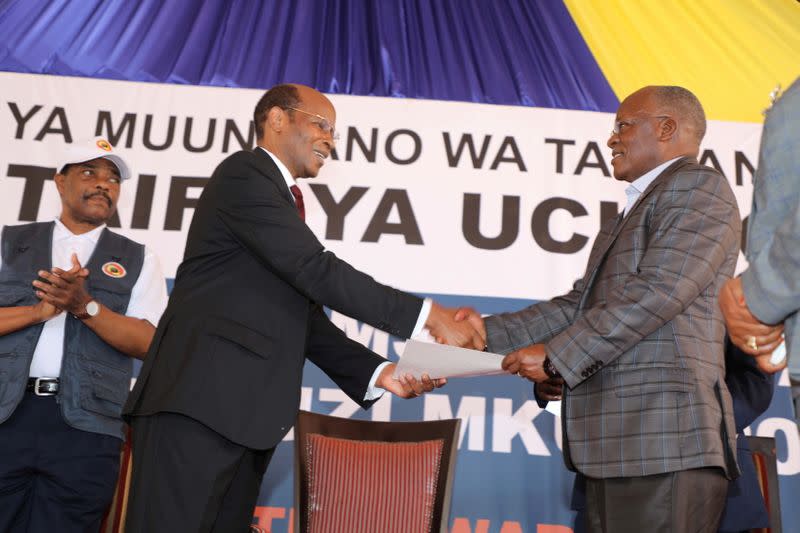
column 114, row 270
column 104, row 145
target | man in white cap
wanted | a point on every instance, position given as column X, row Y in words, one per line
column 77, row 303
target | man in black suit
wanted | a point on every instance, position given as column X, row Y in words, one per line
column 220, row 386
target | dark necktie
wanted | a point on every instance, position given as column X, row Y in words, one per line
column 298, row 200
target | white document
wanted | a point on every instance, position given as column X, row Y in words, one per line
column 779, row 354
column 554, row 408
column 443, row 361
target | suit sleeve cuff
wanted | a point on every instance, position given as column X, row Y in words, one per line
column 576, row 367
column 374, row 392
column 758, row 301
column 424, row 311
column 498, row 339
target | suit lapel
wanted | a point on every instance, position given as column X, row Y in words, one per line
column 271, row 171
column 607, row 233
column 604, row 240
column 599, row 258
column 662, row 178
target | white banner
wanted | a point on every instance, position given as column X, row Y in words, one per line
column 429, row 196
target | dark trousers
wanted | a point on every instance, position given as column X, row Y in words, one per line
column 53, row 477
column 690, row 501
column 187, row 477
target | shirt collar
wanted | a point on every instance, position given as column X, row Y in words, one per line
column 287, row 176
column 640, row 184
column 61, row 232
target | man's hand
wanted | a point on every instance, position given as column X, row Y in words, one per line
column 45, row 311
column 64, row 289
column 745, row 330
column 446, row 329
column 527, row 363
column 765, row 365
column 550, row 389
column 473, row 317
column 407, row 386
column 19, row 317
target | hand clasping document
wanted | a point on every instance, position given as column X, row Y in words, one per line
column 443, row 361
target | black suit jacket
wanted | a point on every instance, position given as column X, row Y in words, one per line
column 245, row 312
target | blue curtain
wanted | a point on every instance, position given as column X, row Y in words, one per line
column 504, row 52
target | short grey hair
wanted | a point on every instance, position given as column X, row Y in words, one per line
column 683, row 103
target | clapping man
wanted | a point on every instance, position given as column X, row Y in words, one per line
column 68, row 344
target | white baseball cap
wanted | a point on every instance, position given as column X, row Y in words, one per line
column 82, row 151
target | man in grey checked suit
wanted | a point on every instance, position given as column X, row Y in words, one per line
column 646, row 417
column 768, row 292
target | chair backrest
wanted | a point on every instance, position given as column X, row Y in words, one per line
column 355, row 475
column 766, row 462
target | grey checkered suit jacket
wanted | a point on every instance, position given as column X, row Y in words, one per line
column 639, row 339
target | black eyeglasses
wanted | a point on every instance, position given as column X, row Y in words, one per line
column 621, row 125
column 323, row 123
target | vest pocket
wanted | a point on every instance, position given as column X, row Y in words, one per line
column 116, row 301
column 105, row 389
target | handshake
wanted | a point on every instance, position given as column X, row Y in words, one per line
column 464, row 327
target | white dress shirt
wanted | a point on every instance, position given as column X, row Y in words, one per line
column 148, row 296
column 373, row 392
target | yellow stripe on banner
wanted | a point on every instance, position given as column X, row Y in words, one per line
column 731, row 54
